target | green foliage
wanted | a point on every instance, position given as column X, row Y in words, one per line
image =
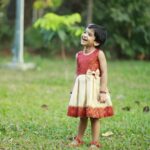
column 5, row 31
column 62, row 27
column 3, row 3
column 33, row 38
column 40, row 4
column 54, row 22
column 128, row 24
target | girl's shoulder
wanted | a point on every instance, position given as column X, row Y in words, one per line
column 79, row 53
column 100, row 52
column 101, row 55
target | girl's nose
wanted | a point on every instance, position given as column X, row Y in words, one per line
column 84, row 35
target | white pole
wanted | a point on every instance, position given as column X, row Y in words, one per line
column 18, row 47
column 19, row 33
column 21, row 30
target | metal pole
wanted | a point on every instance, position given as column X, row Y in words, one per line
column 18, row 46
column 19, row 33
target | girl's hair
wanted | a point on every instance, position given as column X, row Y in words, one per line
column 100, row 34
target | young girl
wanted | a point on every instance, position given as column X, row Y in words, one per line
column 90, row 96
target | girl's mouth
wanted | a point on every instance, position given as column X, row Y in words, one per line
column 84, row 39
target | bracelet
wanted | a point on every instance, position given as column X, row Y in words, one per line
column 103, row 92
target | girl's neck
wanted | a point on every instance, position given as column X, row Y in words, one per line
column 88, row 49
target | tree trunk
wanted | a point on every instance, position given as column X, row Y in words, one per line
column 28, row 12
column 90, row 11
column 63, row 53
column 11, row 12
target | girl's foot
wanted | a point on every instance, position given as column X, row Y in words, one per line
column 76, row 142
column 94, row 145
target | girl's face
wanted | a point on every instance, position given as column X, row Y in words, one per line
column 87, row 38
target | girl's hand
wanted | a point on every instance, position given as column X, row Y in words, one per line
column 102, row 97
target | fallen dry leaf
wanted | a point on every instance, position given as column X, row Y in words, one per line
column 127, row 108
column 146, row 109
column 44, row 106
column 108, row 133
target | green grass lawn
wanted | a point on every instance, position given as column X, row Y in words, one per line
column 33, row 106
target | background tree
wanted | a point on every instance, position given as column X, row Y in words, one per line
column 127, row 22
column 128, row 25
column 63, row 27
column 5, row 29
column 90, row 11
column 28, row 14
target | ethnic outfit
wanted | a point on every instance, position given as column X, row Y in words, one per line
column 84, row 98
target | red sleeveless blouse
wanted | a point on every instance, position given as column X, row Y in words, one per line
column 87, row 61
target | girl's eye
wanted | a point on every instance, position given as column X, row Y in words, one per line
column 89, row 34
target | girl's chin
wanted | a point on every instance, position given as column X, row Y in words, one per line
column 83, row 43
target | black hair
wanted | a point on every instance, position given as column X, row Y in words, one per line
column 100, row 34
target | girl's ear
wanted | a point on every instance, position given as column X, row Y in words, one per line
column 96, row 43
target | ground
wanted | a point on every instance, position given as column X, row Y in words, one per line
column 33, row 106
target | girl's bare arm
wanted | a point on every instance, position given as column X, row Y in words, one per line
column 103, row 79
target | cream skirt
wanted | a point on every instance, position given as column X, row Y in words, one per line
column 84, row 99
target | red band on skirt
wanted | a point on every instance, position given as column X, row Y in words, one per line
column 90, row 112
